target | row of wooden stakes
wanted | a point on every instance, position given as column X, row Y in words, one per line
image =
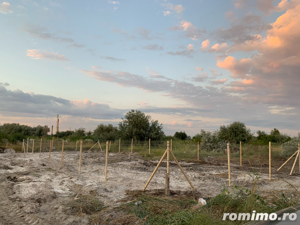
column 62, row 152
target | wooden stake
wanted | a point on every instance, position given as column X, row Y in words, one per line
column 198, row 152
column 295, row 162
column 131, row 146
column 119, row 145
column 80, row 153
column 106, row 158
column 168, row 156
column 40, row 148
column 182, row 171
column 241, row 155
column 32, row 146
column 270, row 161
column 23, row 146
column 149, row 146
column 161, row 159
column 171, row 145
column 93, row 146
column 50, row 151
column 27, row 145
column 228, row 154
column 167, row 190
column 287, row 160
column 99, row 145
column 62, row 153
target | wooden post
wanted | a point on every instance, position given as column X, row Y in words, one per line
column 23, row 146
column 62, row 153
column 27, row 145
column 32, row 146
column 149, row 146
column 80, row 156
column 294, row 162
column 131, row 146
column 50, row 151
column 241, row 154
column 171, row 145
column 287, row 161
column 119, row 145
column 106, row 158
column 99, row 145
column 228, row 154
column 270, row 161
column 167, row 190
column 40, row 148
column 161, row 159
column 198, row 152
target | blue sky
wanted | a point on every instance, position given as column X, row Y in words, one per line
column 93, row 61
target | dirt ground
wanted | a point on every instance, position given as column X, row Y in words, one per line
column 35, row 190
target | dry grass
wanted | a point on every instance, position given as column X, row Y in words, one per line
column 84, row 204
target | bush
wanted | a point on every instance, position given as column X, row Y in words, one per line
column 290, row 147
column 211, row 142
column 106, row 132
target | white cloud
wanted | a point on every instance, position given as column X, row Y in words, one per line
column 37, row 54
column 114, row 2
column 175, row 8
column 191, row 31
column 5, row 8
column 166, row 13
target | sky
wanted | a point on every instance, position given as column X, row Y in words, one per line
column 191, row 65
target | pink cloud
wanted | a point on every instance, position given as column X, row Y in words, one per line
column 238, row 68
column 37, row 54
column 199, row 68
column 205, row 45
column 219, row 47
column 217, row 82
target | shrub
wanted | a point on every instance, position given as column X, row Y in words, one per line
column 290, row 147
column 211, row 142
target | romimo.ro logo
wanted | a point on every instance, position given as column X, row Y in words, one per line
column 259, row 216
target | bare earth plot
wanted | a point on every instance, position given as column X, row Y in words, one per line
column 35, row 191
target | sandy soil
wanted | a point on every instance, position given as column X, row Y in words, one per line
column 34, row 190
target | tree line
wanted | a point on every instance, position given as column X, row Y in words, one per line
column 138, row 126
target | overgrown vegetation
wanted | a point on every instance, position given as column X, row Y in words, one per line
column 86, row 204
column 290, row 147
column 179, row 209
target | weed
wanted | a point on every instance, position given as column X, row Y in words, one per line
column 86, row 204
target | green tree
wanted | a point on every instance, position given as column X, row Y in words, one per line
column 106, row 132
column 274, row 132
column 79, row 132
column 235, row 133
column 180, row 135
column 139, row 126
column 41, row 131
